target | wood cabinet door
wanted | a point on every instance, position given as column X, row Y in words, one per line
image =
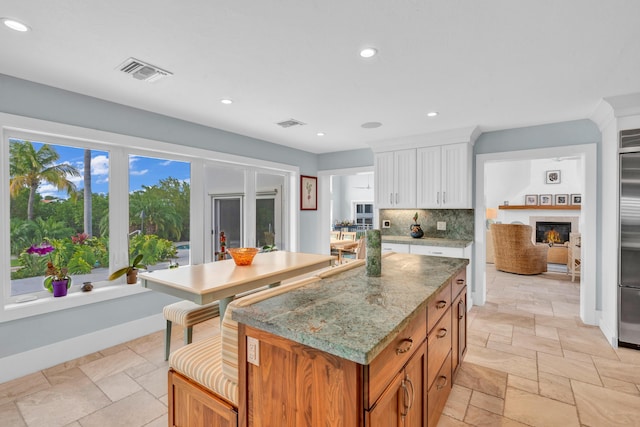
column 404, row 403
column 428, row 174
column 455, row 176
column 405, row 179
column 459, row 326
column 384, row 179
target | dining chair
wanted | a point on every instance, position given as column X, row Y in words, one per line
column 335, row 235
column 348, row 235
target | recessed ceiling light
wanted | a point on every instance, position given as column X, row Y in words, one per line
column 368, row 52
column 432, row 114
column 227, row 101
column 371, row 125
column 320, row 133
column 15, row 25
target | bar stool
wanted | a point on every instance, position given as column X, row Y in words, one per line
column 186, row 314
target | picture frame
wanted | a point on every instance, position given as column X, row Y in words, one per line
column 531, row 199
column 561, row 199
column 552, row 177
column 546, row 200
column 308, row 193
column 576, row 199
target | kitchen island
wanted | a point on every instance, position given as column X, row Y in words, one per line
column 352, row 350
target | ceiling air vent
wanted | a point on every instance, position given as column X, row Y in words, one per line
column 142, row 71
column 289, row 123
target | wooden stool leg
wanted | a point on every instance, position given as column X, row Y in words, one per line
column 167, row 340
column 188, row 334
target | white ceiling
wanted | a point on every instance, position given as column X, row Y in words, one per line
column 492, row 63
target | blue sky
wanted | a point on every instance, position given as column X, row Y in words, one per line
column 142, row 170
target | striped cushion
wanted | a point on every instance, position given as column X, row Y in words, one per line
column 202, row 363
column 187, row 313
column 230, row 327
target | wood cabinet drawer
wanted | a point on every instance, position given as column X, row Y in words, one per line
column 438, row 306
column 458, row 283
column 438, row 393
column 438, row 346
column 388, row 363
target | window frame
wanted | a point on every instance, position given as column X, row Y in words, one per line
column 119, row 146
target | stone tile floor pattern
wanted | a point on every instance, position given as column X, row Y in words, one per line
column 530, row 362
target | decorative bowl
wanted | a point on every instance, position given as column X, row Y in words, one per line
column 243, row 256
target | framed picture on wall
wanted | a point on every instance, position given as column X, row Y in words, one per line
column 308, row 193
column 546, row 200
column 561, row 199
column 576, row 199
column 531, row 199
column 552, row 177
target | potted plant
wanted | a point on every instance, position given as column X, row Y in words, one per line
column 416, row 231
column 131, row 271
column 57, row 279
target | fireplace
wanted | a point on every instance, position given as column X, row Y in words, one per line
column 555, row 232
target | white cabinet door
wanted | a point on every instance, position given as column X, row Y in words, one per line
column 395, row 179
column 405, row 179
column 455, row 176
column 443, row 177
column 384, row 171
column 428, row 172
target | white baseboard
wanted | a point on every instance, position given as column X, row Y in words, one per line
column 28, row 362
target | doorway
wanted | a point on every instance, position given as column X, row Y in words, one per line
column 588, row 286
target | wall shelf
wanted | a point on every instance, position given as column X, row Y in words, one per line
column 538, row 207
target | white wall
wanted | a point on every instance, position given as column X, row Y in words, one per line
column 511, row 181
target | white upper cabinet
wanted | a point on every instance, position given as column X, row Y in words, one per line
column 443, row 177
column 395, row 176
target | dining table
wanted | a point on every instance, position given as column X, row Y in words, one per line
column 223, row 280
column 342, row 245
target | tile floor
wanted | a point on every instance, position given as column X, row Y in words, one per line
column 530, row 362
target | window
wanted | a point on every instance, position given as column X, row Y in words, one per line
column 159, row 210
column 140, row 202
column 364, row 214
column 59, row 205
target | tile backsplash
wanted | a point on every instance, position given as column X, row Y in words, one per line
column 459, row 222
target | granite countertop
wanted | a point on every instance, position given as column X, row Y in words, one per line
column 351, row 315
column 427, row 241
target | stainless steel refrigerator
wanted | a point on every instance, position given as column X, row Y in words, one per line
column 629, row 256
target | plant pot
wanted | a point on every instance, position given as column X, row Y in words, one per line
column 60, row 287
column 132, row 277
column 416, row 231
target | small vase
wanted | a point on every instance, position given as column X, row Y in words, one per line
column 416, row 231
column 59, row 287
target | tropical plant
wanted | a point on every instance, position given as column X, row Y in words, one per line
column 135, row 265
column 29, row 168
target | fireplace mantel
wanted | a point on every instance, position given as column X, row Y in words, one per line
column 538, row 207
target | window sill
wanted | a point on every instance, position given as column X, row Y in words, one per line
column 46, row 303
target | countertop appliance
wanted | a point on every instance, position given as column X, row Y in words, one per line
column 629, row 245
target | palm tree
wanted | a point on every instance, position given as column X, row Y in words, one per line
column 29, row 168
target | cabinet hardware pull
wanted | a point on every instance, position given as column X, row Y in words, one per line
column 461, row 310
column 404, row 350
column 405, row 398
column 438, row 198
column 437, row 253
column 413, row 393
column 390, row 198
column 460, row 281
column 442, row 333
column 441, row 304
column 444, row 195
column 441, row 385
column 396, row 198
